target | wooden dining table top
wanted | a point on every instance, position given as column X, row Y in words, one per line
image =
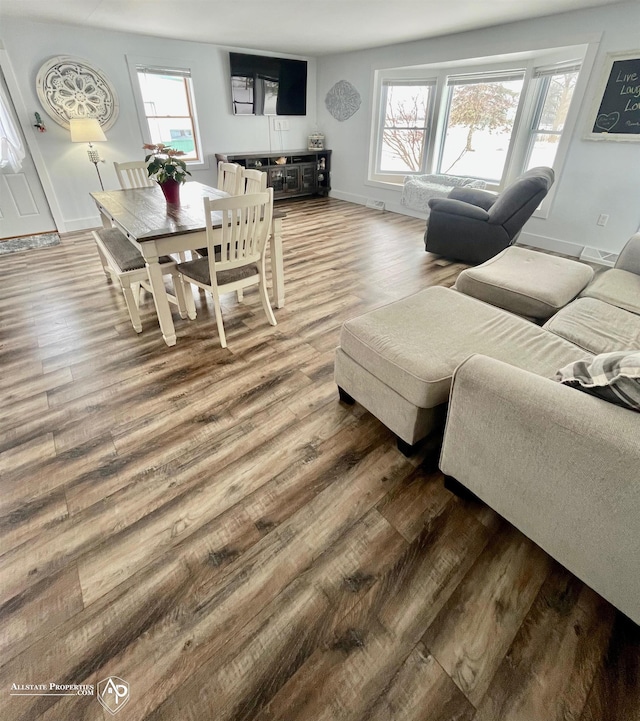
column 145, row 214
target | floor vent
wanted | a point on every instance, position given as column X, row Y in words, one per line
column 593, row 255
column 375, row 204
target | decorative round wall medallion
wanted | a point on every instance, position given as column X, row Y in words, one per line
column 343, row 100
column 69, row 87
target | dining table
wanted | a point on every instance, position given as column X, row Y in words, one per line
column 158, row 228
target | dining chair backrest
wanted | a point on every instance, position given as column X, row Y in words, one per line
column 133, row 175
column 246, row 223
column 255, row 181
column 230, row 178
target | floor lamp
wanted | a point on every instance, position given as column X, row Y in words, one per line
column 88, row 130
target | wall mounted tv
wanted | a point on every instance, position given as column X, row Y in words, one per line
column 262, row 85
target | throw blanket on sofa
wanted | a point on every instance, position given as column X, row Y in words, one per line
column 418, row 189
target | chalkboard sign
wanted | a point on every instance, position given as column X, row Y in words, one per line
column 617, row 112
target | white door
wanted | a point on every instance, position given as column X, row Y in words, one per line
column 23, row 206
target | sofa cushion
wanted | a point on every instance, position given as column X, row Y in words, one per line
column 614, row 377
column 526, row 282
column 596, row 326
column 415, row 344
column 618, row 287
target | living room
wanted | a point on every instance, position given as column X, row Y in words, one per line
column 211, row 529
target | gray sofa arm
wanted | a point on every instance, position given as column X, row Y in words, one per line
column 629, row 258
column 482, row 198
column 458, row 207
column 559, row 464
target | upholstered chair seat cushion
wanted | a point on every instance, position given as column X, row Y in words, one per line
column 199, row 270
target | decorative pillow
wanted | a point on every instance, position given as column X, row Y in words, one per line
column 614, row 377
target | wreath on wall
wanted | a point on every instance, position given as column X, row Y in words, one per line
column 70, row 87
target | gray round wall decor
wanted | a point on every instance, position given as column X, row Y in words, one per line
column 70, row 87
column 343, row 100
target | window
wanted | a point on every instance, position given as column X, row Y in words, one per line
column 167, row 96
column 555, row 90
column 490, row 118
column 479, row 123
column 407, row 109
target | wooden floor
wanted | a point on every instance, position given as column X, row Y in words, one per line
column 215, row 528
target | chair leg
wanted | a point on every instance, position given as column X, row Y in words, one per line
column 188, row 298
column 179, row 291
column 265, row 301
column 219, row 323
column 240, row 294
column 132, row 307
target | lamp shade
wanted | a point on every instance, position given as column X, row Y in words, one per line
column 86, row 130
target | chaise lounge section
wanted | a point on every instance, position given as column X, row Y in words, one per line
column 561, row 465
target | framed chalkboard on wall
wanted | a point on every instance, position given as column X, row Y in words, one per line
column 616, row 109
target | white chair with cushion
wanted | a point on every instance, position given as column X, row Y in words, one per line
column 133, row 175
column 123, row 262
column 236, row 253
column 231, row 178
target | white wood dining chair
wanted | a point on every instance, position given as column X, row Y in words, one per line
column 255, row 181
column 236, row 252
column 123, row 263
column 133, row 175
column 231, row 178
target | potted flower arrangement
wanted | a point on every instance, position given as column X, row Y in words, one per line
column 166, row 168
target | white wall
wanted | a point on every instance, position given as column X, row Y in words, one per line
column 30, row 44
column 598, row 177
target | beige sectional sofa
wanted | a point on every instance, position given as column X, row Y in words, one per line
column 561, row 465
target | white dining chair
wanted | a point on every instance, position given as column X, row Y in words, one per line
column 133, row 175
column 255, row 181
column 236, row 252
column 231, row 178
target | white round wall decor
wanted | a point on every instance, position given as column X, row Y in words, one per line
column 343, row 100
column 70, row 87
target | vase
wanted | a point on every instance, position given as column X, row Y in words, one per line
column 171, row 190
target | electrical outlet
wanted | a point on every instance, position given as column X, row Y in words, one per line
column 280, row 124
column 603, row 218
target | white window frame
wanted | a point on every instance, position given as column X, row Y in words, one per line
column 393, row 176
column 452, row 81
column 155, row 64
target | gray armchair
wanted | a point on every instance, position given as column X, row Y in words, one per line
column 473, row 225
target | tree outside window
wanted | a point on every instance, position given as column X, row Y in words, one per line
column 406, row 121
column 479, row 126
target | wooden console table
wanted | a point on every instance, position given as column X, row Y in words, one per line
column 304, row 172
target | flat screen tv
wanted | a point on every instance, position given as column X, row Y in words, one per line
column 263, row 85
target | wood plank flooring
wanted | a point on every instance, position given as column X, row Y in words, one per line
column 215, row 528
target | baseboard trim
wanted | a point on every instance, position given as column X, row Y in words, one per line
column 553, row 244
column 93, row 221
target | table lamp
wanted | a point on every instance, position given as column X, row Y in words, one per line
column 88, row 130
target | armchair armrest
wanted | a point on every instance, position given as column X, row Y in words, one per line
column 559, row 464
column 482, row 198
column 629, row 258
column 458, row 207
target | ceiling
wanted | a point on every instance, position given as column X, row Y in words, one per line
column 297, row 27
